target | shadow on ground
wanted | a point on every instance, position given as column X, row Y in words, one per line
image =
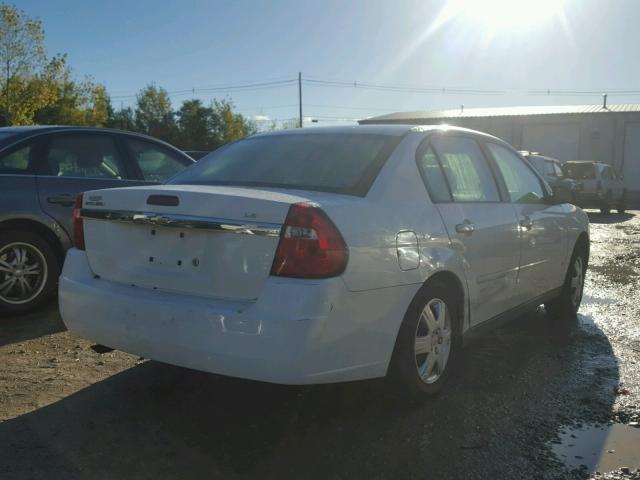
column 43, row 321
column 516, row 387
column 613, row 217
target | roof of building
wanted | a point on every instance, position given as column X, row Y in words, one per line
column 413, row 117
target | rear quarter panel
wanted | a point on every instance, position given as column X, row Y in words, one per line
column 397, row 202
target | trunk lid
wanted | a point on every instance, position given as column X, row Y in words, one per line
column 216, row 242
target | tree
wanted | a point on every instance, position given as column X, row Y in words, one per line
column 74, row 102
column 228, row 125
column 32, row 94
column 196, row 126
column 122, row 119
column 153, row 114
column 22, row 58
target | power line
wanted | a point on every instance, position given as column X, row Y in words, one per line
column 583, row 93
column 466, row 91
column 401, row 88
column 227, row 88
column 385, row 87
column 388, row 87
column 343, row 107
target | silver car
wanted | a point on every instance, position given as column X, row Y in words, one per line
column 42, row 170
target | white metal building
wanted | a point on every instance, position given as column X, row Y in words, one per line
column 609, row 134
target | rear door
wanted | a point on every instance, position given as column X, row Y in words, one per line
column 540, row 225
column 18, row 193
column 482, row 227
column 75, row 162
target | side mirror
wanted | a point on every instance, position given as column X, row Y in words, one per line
column 561, row 194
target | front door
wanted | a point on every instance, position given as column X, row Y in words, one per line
column 482, row 228
column 542, row 261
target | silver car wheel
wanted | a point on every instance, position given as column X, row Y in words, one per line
column 23, row 273
column 577, row 281
column 433, row 340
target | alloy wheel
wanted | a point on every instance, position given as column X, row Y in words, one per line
column 23, row 273
column 432, row 345
column 577, row 281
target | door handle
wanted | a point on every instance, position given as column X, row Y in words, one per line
column 465, row 228
column 527, row 223
column 66, row 200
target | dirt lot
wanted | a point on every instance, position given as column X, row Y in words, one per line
column 532, row 400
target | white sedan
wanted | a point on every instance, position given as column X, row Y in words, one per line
column 325, row 255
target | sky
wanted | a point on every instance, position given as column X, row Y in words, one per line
column 502, row 51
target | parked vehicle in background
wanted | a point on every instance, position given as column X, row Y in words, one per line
column 602, row 187
column 325, row 255
column 196, row 154
column 42, row 170
column 551, row 171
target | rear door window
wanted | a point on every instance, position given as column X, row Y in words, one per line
column 466, row 169
column 341, row 162
column 83, row 155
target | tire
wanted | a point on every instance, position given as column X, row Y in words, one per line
column 29, row 269
column 565, row 306
column 435, row 332
column 622, row 205
column 605, row 207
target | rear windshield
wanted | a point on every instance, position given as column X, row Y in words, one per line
column 340, row 163
column 579, row 171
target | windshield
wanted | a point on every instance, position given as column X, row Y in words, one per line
column 579, row 171
column 340, row 163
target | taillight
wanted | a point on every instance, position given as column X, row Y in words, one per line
column 78, row 225
column 310, row 245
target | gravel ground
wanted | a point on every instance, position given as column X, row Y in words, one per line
column 68, row 412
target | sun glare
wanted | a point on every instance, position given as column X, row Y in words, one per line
column 502, row 14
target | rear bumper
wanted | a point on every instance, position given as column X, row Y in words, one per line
column 298, row 332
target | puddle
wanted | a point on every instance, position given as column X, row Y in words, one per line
column 601, row 448
column 620, row 273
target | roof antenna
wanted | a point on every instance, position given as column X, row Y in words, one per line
column 604, row 101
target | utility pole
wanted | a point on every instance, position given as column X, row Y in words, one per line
column 300, row 97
